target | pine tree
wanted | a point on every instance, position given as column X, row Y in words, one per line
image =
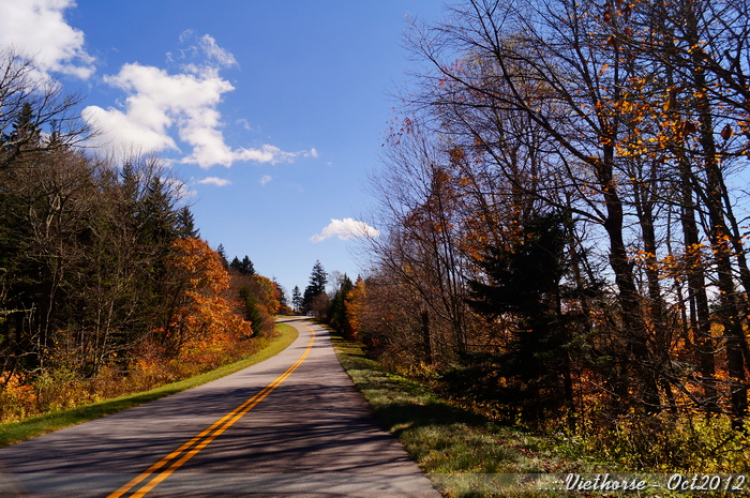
column 297, row 300
column 252, row 310
column 280, row 294
column 337, row 309
column 223, row 255
column 235, row 264
column 186, row 223
column 318, row 281
column 160, row 219
column 246, row 267
column 524, row 284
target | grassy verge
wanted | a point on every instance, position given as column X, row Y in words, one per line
column 465, row 454
column 20, row 431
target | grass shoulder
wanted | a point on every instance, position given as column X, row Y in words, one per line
column 15, row 432
column 467, row 454
column 463, row 453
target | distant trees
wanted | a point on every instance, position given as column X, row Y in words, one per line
column 297, row 300
column 281, row 297
column 258, row 295
column 245, row 267
column 315, row 298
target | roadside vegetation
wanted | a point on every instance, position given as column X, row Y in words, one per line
column 106, row 286
column 466, row 452
column 80, row 402
column 563, row 210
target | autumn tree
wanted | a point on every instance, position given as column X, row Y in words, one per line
column 281, row 296
column 354, row 308
column 696, row 114
column 422, row 210
column 560, row 66
column 200, row 317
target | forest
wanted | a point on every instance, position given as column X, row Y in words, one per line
column 105, row 284
column 564, row 198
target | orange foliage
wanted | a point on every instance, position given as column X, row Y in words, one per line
column 202, row 322
column 354, row 306
column 265, row 292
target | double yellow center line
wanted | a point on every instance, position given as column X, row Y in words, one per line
column 178, row 457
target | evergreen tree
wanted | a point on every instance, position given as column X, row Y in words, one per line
column 159, row 216
column 280, row 294
column 318, row 281
column 252, row 310
column 297, row 299
column 235, row 264
column 186, row 223
column 246, row 267
column 337, row 308
column 524, row 289
column 223, row 255
column 25, row 131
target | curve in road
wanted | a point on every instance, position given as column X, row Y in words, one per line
column 293, row 425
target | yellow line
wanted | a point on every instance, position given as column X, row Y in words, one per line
column 204, row 438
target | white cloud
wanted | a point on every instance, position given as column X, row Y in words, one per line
column 158, row 103
column 345, row 229
column 186, row 35
column 213, row 180
column 265, row 179
column 214, row 52
column 245, row 124
column 37, row 29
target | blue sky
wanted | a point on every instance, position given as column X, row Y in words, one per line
column 271, row 112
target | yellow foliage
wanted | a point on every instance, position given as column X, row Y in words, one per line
column 203, row 321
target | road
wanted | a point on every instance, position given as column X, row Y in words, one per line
column 293, row 425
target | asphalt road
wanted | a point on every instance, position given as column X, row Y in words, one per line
column 292, row 425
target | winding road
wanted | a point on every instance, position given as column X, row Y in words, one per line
column 293, row 425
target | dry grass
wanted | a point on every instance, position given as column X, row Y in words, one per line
column 60, row 401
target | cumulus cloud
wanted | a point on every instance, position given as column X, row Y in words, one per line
column 265, row 179
column 345, row 229
column 213, row 180
column 52, row 43
column 159, row 103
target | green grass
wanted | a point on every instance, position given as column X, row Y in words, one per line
column 463, row 453
column 20, row 431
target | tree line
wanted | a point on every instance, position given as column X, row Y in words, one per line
column 101, row 265
column 564, row 206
